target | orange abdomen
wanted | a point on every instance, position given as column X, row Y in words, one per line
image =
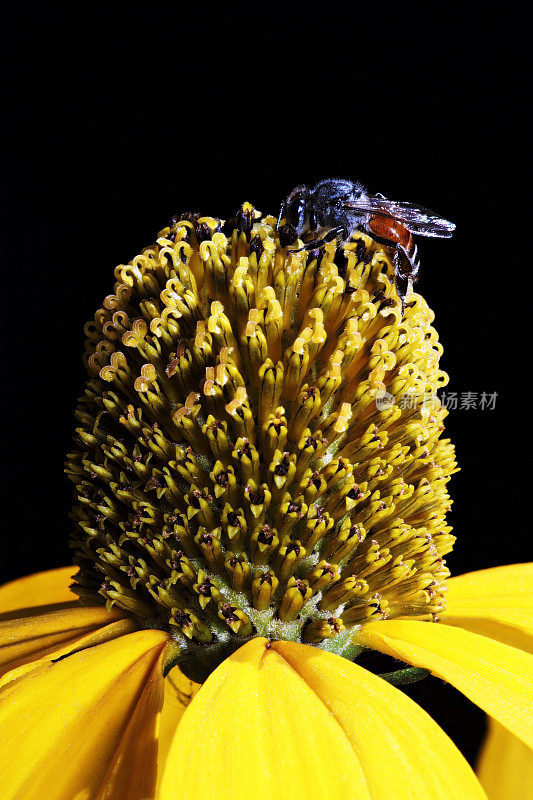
column 392, row 230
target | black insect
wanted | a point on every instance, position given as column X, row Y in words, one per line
column 334, row 208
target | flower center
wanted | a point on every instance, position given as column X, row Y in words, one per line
column 258, row 446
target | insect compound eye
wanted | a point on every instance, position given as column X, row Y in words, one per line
column 296, row 213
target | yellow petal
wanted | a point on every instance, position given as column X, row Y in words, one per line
column 498, row 678
column 178, row 693
column 293, row 721
column 41, row 589
column 50, row 635
column 233, row 743
column 505, row 766
column 85, row 727
column 402, row 750
column 494, row 602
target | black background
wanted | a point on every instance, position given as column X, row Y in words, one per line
column 118, row 119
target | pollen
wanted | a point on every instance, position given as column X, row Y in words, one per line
column 259, row 449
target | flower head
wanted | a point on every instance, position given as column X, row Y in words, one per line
column 256, row 453
column 260, row 481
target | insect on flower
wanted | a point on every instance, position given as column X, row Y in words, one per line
column 334, row 208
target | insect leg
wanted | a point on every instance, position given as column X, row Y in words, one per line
column 406, row 266
column 333, row 233
column 404, row 285
column 411, row 256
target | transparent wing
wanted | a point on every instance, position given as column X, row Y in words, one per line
column 415, row 218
